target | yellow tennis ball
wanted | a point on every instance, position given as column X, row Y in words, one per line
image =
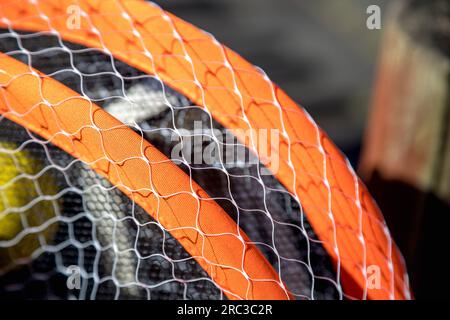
column 24, row 213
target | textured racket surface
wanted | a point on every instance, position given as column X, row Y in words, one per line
column 315, row 178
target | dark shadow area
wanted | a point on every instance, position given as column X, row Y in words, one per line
column 419, row 223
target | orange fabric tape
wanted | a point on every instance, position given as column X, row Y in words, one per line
column 90, row 134
column 239, row 96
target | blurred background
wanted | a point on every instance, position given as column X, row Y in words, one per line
column 382, row 96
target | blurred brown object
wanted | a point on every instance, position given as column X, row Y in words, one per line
column 406, row 155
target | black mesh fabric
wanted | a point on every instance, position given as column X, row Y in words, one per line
column 145, row 266
column 121, row 251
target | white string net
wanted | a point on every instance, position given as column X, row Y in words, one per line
column 57, row 215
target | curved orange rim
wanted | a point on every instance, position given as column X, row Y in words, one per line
column 90, row 134
column 337, row 204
